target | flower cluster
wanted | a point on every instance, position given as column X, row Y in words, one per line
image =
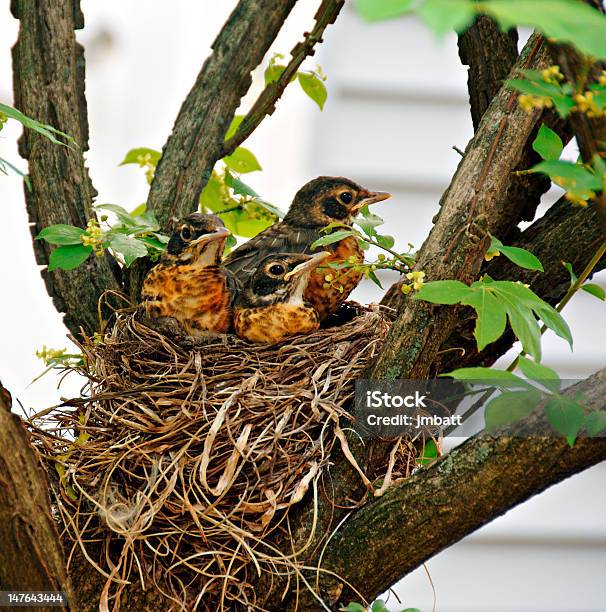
column 587, row 103
column 146, row 161
column 94, row 237
column 417, row 277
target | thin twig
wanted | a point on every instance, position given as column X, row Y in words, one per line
column 266, row 102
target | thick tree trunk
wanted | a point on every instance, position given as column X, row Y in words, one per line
column 31, row 558
column 48, row 73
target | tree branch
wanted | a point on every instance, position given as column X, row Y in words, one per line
column 469, row 487
column 48, row 68
column 196, row 142
column 266, row 102
column 490, row 54
column 589, row 132
column 31, row 558
column 475, row 204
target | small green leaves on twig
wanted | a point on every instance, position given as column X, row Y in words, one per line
column 134, row 235
column 590, row 288
column 311, row 81
column 367, row 236
column 520, row 257
column 497, row 302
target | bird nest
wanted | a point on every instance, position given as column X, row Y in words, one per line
column 176, row 466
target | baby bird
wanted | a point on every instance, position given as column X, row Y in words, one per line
column 189, row 284
column 320, row 202
column 271, row 306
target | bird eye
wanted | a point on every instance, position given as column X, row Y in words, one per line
column 346, row 197
column 276, row 270
column 186, row 233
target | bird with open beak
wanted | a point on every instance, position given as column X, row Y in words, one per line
column 272, row 307
column 319, row 203
column 189, row 284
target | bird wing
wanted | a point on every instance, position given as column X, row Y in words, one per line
column 278, row 238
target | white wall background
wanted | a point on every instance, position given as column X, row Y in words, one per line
column 397, row 104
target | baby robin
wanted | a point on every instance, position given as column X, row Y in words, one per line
column 189, row 284
column 317, row 204
column 271, row 307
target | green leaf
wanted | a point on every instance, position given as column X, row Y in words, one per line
column 375, row 279
column 548, row 144
column 5, row 162
column 130, row 248
column 140, row 155
column 510, row 406
column 442, row 16
column 272, row 208
column 429, row 453
column 61, row 234
column 535, row 85
column 154, row 242
column 378, row 606
column 314, row 87
column 442, row 292
column 273, row 72
column 121, row 213
column 368, row 221
column 491, row 316
column 48, row 131
column 211, row 198
column 595, row 423
column 595, row 290
column 233, row 126
column 569, row 175
column 573, row 276
column 332, row 238
column 239, row 186
column 566, row 416
column 520, row 257
column 565, row 20
column 523, row 298
column 248, row 228
column 242, row 161
column 68, row 257
column 494, row 377
column 540, row 373
column 526, row 328
column 385, row 241
column 375, row 10
column 353, row 606
column 139, row 210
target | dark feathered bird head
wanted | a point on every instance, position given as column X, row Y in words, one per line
column 327, row 199
column 198, row 239
column 280, row 277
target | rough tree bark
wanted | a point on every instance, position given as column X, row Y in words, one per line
column 31, row 558
column 474, row 205
column 484, row 196
column 490, row 55
column 48, row 69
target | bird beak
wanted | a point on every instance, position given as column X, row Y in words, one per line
column 370, row 197
column 205, row 248
column 313, row 262
column 219, row 234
